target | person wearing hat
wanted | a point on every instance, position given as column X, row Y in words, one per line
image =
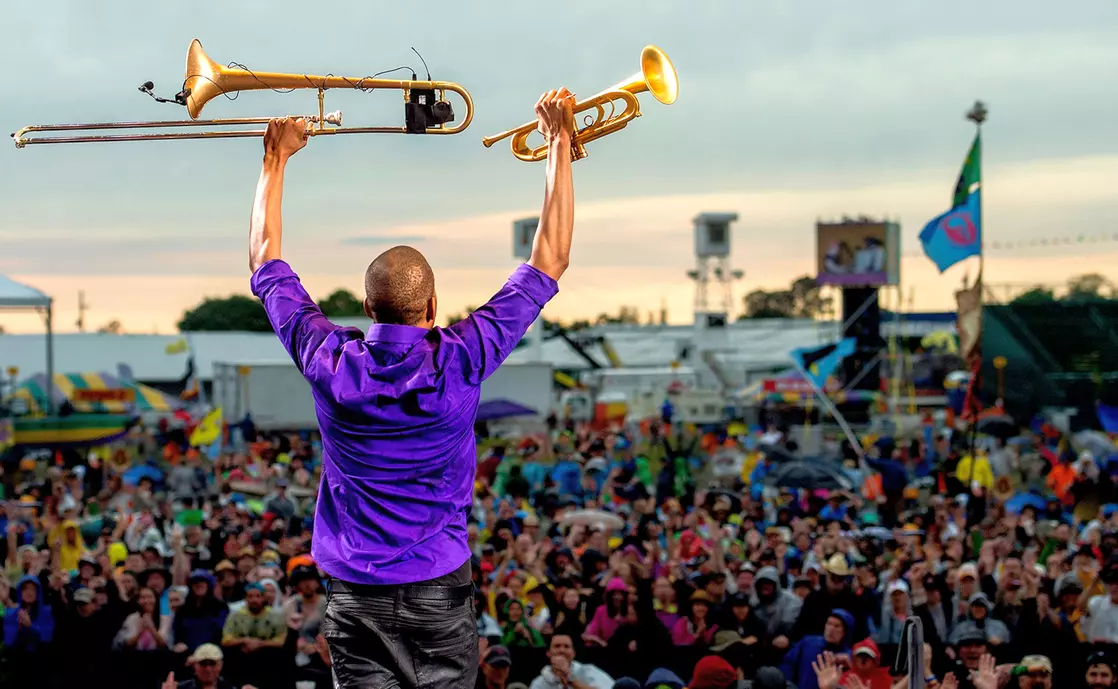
column 206, row 662
column 86, row 634
column 1101, row 670
column 496, row 663
column 1034, row 672
column 894, row 612
column 866, row 667
column 836, row 593
column 201, row 617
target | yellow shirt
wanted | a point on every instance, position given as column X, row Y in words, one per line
column 970, row 470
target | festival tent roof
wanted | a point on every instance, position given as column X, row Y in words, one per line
column 15, row 295
column 145, row 399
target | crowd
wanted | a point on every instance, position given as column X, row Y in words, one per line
column 601, row 559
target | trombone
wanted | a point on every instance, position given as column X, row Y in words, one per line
column 657, row 76
column 426, row 110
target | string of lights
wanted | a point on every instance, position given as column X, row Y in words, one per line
column 1038, row 243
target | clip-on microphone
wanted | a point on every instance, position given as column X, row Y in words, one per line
column 149, row 88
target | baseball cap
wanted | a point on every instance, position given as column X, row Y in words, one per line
column 1036, row 663
column 83, row 595
column 866, row 651
column 968, row 570
column 210, row 652
column 896, row 585
column 498, row 656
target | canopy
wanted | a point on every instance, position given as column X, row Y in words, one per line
column 494, row 410
column 97, row 393
column 15, row 295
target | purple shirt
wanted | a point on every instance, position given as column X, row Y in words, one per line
column 396, row 411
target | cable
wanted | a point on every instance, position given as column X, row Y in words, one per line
column 424, row 64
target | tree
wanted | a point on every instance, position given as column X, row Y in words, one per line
column 456, row 317
column 628, row 315
column 1035, row 296
column 237, row 312
column 342, row 304
column 804, row 299
column 113, row 327
column 1088, row 287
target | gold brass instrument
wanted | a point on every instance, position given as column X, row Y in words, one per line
column 426, row 111
column 656, row 76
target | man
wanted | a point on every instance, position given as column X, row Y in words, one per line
column 256, row 625
column 799, row 664
column 396, row 411
column 1034, row 672
column 496, row 663
column 1100, row 670
column 207, row 662
column 563, row 672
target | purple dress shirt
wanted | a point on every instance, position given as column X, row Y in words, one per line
column 396, row 411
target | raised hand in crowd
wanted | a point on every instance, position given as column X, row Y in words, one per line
column 827, row 672
column 986, row 677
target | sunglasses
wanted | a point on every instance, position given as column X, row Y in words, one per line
column 207, row 663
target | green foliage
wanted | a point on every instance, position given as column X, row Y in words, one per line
column 1090, row 287
column 804, row 299
column 342, row 304
column 227, row 314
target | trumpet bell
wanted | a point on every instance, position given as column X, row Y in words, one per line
column 204, row 79
column 658, row 76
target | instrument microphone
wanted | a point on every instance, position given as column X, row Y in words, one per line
column 149, row 88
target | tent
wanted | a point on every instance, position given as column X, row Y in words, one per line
column 95, row 393
column 499, row 409
column 15, row 296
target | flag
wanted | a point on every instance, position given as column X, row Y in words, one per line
column 954, row 235
column 818, row 363
column 970, row 175
column 178, row 346
column 208, row 430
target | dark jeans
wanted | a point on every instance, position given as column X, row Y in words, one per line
column 414, row 636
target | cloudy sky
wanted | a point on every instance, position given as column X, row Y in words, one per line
column 789, row 112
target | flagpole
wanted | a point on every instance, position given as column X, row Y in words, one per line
column 978, row 114
column 830, row 407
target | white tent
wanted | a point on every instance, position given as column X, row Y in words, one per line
column 16, row 296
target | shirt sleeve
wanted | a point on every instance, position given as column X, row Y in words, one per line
column 294, row 316
column 491, row 332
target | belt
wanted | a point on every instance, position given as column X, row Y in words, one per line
column 415, row 591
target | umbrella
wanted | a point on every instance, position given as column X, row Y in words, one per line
column 1097, row 443
column 998, row 425
column 808, row 474
column 1022, row 500
column 132, row 476
column 595, row 518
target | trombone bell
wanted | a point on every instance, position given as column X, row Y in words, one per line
column 657, row 76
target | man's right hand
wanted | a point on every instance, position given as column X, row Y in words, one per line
column 555, row 113
column 284, row 137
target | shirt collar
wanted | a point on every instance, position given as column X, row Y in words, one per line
column 396, row 334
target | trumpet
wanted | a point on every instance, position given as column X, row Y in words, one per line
column 426, row 110
column 657, row 76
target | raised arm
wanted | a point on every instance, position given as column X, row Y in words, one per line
column 551, row 250
column 283, row 138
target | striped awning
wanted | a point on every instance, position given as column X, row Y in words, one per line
column 95, row 393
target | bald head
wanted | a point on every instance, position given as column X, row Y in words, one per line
column 400, row 288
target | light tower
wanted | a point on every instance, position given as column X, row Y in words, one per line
column 712, row 265
column 523, row 234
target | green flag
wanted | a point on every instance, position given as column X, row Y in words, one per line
column 971, row 173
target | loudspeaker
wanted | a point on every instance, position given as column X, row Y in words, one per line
column 861, row 318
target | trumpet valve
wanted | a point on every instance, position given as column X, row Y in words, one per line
column 334, row 118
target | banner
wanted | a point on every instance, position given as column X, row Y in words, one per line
column 92, row 396
column 968, row 321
